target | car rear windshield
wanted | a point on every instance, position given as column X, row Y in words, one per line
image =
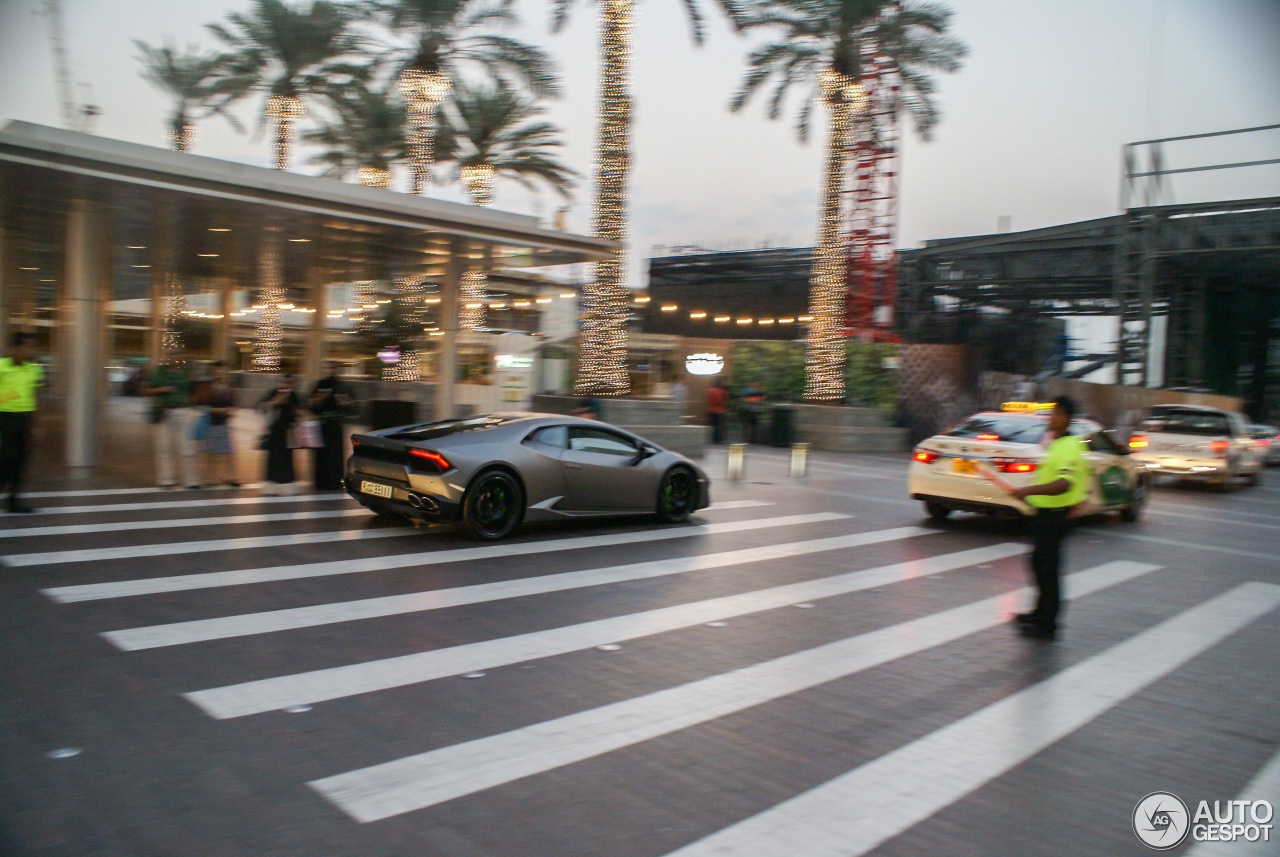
column 1009, row 427
column 444, row 428
column 1203, row 423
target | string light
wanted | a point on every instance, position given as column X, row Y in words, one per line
column 423, row 91
column 602, row 354
column 825, row 350
column 478, row 179
column 374, row 177
column 175, row 301
column 269, row 334
column 285, row 109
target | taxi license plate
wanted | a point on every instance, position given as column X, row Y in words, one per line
column 367, row 487
column 964, row 465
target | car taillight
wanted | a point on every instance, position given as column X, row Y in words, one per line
column 1218, row 447
column 1138, row 441
column 1265, row 441
column 1014, row 465
column 426, row 455
column 924, row 456
column 987, row 437
column 355, row 441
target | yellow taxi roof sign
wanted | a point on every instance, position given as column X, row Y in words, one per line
column 1025, row 407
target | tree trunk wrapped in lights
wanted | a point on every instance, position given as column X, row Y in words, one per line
column 406, row 319
column 285, row 110
column 269, row 334
column 825, row 352
column 478, row 180
column 182, row 134
column 602, row 352
column 175, row 302
column 374, row 177
column 423, row 91
column 471, row 291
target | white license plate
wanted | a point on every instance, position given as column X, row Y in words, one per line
column 367, row 487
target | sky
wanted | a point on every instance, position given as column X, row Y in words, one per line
column 1032, row 126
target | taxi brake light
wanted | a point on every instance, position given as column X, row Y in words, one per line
column 1138, row 441
column 434, row 457
column 1218, row 446
column 1014, row 465
column 988, row 437
column 924, row 456
column 1264, row 441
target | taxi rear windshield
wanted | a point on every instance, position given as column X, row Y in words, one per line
column 1203, row 423
column 1014, row 428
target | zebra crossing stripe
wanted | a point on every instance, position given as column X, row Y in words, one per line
column 321, row 685
column 427, row 779
column 1264, row 786
column 201, row 630
column 206, row 546
column 126, row 526
column 859, row 810
column 190, row 504
column 241, row 577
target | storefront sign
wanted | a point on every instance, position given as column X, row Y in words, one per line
column 390, row 354
column 513, row 361
column 704, row 364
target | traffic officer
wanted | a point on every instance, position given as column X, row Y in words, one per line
column 1060, row 481
column 19, row 377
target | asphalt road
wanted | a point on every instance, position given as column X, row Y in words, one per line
column 808, row 668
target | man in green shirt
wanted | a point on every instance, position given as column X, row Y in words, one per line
column 1060, row 481
column 169, row 389
column 19, row 378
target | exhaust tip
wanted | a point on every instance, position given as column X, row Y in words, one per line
column 415, row 501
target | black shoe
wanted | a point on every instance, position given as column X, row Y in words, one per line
column 1024, row 619
column 19, row 509
column 1037, row 632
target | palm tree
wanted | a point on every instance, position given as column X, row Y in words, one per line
column 292, row 54
column 197, row 84
column 446, row 36
column 830, row 46
column 496, row 133
column 366, row 138
column 602, row 354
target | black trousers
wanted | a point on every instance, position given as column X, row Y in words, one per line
column 15, row 440
column 327, row 463
column 717, row 428
column 1048, row 528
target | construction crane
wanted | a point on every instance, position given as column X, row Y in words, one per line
column 871, row 260
column 75, row 116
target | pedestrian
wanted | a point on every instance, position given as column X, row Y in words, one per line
column 219, row 452
column 588, row 409
column 1060, row 481
column 717, row 402
column 20, row 375
column 752, row 411
column 329, row 402
column 281, row 406
column 169, row 389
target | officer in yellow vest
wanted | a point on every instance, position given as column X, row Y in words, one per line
column 1060, row 481
column 19, row 377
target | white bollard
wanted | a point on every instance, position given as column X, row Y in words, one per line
column 799, row 459
column 735, row 461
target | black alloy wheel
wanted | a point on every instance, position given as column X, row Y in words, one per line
column 677, row 494
column 493, row 507
column 1137, row 500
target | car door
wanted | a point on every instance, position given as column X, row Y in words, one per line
column 1113, row 472
column 603, row 474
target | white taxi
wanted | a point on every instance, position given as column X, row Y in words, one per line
column 946, row 471
column 1194, row 442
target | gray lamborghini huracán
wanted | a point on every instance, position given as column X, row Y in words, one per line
column 489, row 473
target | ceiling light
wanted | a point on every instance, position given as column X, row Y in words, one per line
column 722, row 318
column 744, row 321
column 134, row 247
column 219, row 229
column 568, row 294
column 207, row 255
column 669, row 308
column 300, row 240
column 697, row 315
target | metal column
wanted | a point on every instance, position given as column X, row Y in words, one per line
column 82, row 329
column 448, row 372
